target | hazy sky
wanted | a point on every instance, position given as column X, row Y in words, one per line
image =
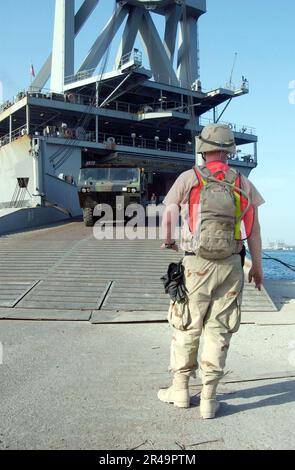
column 260, row 31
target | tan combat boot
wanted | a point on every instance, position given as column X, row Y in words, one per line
column 208, row 404
column 178, row 393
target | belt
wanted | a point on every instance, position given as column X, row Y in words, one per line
column 189, row 253
column 242, row 254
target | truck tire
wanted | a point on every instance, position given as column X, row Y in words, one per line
column 88, row 217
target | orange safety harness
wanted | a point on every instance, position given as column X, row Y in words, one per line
column 244, row 208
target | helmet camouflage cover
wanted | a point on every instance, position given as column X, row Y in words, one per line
column 216, row 137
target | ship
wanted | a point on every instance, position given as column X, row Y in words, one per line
column 145, row 117
column 84, row 321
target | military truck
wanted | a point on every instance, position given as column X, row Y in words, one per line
column 101, row 185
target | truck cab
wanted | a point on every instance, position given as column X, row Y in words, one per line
column 102, row 185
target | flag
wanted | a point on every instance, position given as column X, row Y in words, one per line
column 32, row 71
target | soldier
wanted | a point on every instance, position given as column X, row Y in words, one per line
column 213, row 275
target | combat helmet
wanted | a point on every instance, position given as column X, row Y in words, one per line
column 216, row 137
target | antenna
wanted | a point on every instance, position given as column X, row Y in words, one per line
column 230, row 83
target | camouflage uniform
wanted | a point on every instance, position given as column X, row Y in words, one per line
column 214, row 308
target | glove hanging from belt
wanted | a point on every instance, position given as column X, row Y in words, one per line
column 174, row 282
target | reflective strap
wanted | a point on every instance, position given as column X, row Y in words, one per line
column 238, row 215
column 200, row 176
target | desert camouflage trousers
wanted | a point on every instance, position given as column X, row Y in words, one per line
column 213, row 309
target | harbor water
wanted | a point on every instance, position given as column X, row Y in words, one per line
column 274, row 269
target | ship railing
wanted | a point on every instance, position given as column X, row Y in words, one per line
column 242, row 157
column 122, row 106
column 32, row 91
column 163, row 105
column 70, row 97
column 243, row 129
column 134, row 56
column 15, row 134
column 86, row 100
column 80, row 99
column 5, row 105
column 141, row 142
column 90, row 101
column 83, row 75
column 113, row 140
column 243, row 86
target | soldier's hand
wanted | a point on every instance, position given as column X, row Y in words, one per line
column 255, row 274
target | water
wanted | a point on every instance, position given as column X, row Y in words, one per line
column 274, row 270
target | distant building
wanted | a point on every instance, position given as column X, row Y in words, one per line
column 280, row 245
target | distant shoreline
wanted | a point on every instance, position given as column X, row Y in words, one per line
column 280, row 249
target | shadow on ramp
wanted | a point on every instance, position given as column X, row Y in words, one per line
column 273, row 394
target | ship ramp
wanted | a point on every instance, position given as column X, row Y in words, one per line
column 64, row 273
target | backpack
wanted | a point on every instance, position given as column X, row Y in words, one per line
column 218, row 213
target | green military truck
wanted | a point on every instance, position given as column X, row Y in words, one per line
column 101, row 185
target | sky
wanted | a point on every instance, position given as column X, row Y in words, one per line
column 259, row 31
